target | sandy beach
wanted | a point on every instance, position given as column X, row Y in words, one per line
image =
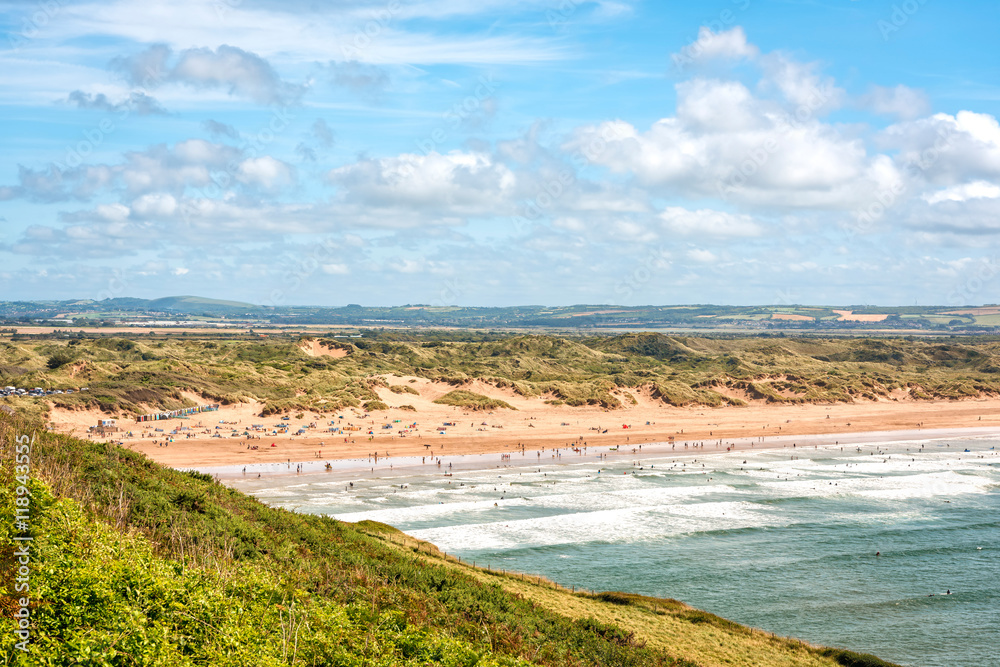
column 236, row 435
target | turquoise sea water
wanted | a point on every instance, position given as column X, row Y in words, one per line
column 783, row 540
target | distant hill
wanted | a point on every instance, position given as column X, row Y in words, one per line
column 580, row 317
column 199, row 304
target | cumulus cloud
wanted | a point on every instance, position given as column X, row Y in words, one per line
column 155, row 205
column 100, row 239
column 461, row 183
column 723, row 45
column 946, row 149
column 964, row 192
column 56, row 185
column 702, row 256
column 801, row 84
column 725, row 142
column 706, row 222
column 718, row 106
column 161, row 169
column 217, row 129
column 266, row 173
column 238, row 72
column 973, row 218
column 902, row 101
column 147, row 69
column 137, row 102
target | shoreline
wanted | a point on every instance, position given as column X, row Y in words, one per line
column 223, row 441
column 409, row 466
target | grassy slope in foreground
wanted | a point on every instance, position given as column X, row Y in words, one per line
column 135, row 564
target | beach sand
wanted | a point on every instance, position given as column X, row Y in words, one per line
column 534, row 425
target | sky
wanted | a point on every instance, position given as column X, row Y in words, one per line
column 501, row 152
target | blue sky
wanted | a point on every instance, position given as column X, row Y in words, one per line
column 498, row 153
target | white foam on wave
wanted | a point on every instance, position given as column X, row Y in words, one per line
column 624, row 525
column 566, row 504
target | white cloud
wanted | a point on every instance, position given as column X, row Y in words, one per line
column 724, row 142
column 459, row 183
column 161, row 170
column 947, row 150
column 718, row 106
column 229, row 68
column 723, row 45
column 335, row 269
column 964, row 192
column 902, row 101
column 801, row 84
column 265, row 172
column 136, row 102
column 155, row 205
column 112, row 212
column 702, row 256
column 705, row 222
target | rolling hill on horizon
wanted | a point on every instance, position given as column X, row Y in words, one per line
column 945, row 319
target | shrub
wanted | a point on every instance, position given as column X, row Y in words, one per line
column 57, row 359
column 473, row 401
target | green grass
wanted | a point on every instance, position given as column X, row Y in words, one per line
column 468, row 399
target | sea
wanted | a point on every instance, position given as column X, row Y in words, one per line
column 877, row 544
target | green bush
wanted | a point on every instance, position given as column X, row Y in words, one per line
column 58, row 359
column 468, row 399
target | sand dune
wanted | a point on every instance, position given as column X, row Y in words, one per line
column 315, row 349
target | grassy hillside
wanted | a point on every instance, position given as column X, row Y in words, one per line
column 130, row 375
column 135, row 564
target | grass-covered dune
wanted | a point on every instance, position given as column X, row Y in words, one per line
column 135, row 564
column 470, row 399
column 129, row 375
